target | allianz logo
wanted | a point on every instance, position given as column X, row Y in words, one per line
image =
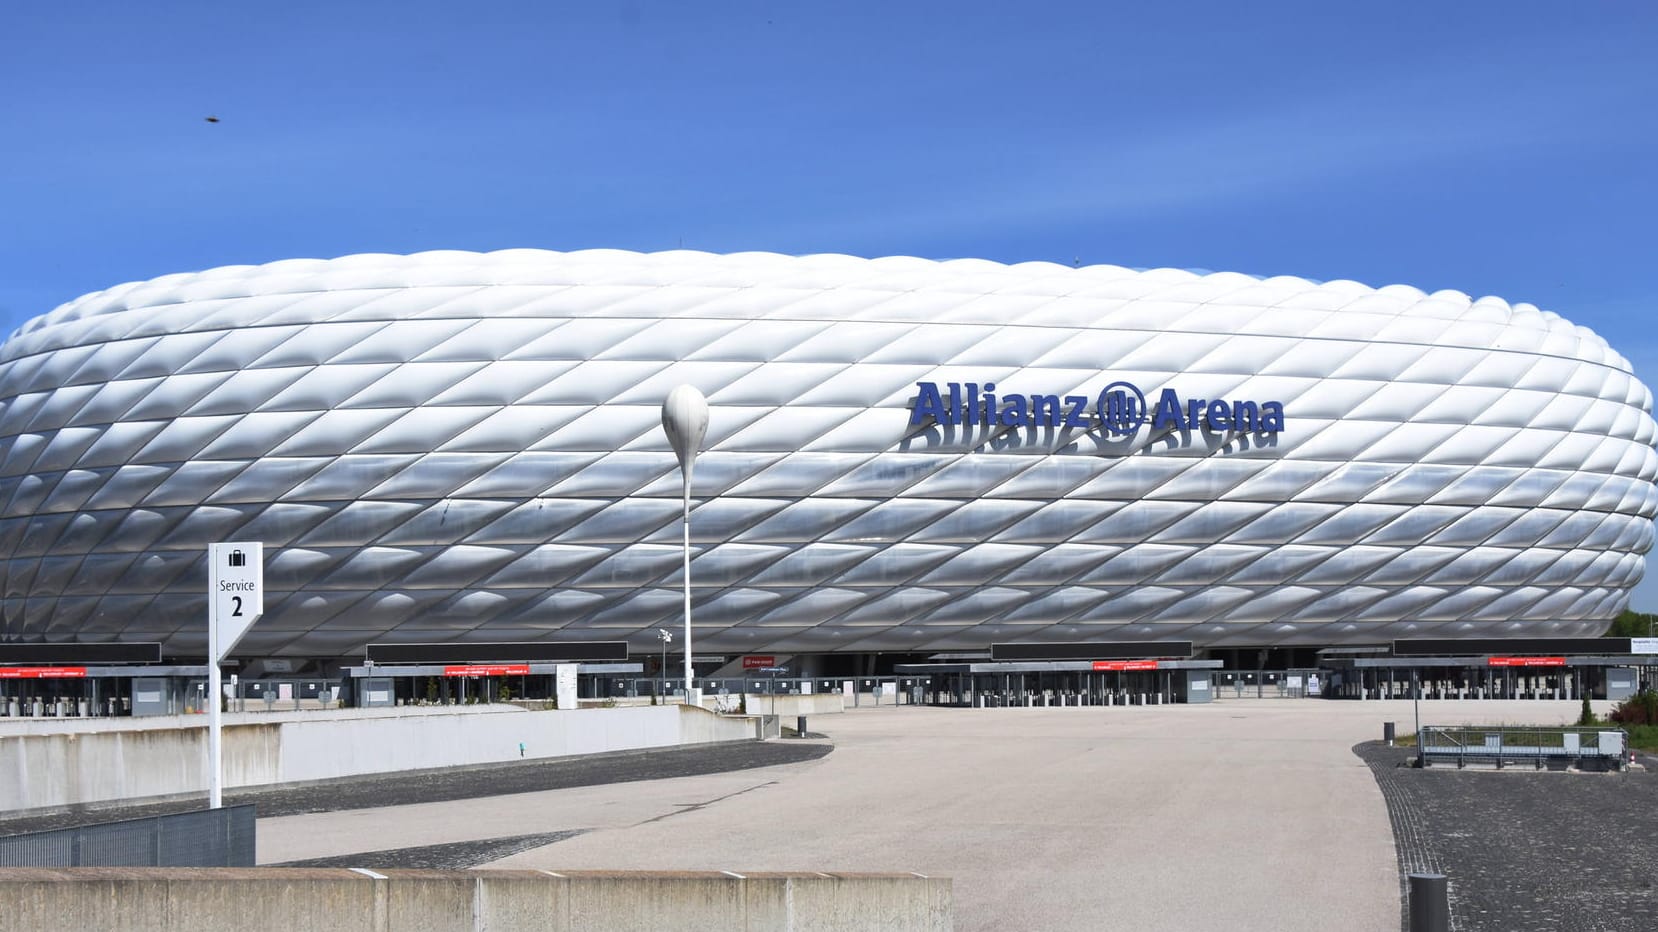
column 1120, row 409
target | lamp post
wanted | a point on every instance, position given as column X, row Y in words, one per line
column 685, row 421
column 666, row 637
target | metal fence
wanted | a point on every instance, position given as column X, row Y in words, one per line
column 858, row 690
column 1535, row 746
column 205, row 838
column 1268, row 684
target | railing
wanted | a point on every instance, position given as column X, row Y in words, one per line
column 864, row 690
column 1537, row 746
column 205, row 838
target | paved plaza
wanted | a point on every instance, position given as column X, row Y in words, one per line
column 1245, row 813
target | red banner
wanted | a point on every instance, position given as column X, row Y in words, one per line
column 487, row 669
column 41, row 673
column 1527, row 661
column 759, row 661
column 1121, row 665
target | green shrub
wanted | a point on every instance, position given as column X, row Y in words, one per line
column 1587, row 716
column 1639, row 709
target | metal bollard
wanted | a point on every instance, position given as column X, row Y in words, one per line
column 1430, row 904
column 1388, row 733
column 800, row 727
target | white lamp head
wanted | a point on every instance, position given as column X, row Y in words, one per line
column 685, row 420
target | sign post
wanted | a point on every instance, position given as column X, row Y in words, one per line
column 235, row 599
column 564, row 687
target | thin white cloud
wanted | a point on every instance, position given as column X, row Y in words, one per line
column 1199, row 161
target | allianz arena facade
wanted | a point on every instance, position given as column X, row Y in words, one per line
column 903, row 456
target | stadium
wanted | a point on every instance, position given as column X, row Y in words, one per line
column 905, row 457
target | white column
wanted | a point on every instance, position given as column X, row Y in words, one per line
column 685, row 421
column 687, row 523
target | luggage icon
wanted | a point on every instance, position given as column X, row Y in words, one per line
column 237, row 558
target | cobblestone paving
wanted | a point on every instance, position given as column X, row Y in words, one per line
column 1525, row 850
column 456, row 856
column 430, row 786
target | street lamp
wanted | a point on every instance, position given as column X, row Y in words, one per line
column 666, row 637
column 685, row 420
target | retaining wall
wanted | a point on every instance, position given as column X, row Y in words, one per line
column 286, row 899
column 81, row 765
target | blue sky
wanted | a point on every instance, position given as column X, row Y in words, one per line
column 1495, row 148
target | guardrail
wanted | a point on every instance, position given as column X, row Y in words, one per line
column 1538, row 746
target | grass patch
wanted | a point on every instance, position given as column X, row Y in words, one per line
column 1539, row 737
column 1643, row 737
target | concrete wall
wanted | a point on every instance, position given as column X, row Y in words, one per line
column 183, row 900
column 84, row 765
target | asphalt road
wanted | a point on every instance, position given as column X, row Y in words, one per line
column 455, row 856
column 1247, row 814
column 1240, row 814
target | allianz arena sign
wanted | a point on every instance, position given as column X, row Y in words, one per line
column 1120, row 409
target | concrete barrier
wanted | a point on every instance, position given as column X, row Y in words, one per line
column 83, row 764
column 213, row 900
column 787, row 705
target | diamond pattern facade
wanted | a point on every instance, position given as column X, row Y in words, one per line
column 468, row 446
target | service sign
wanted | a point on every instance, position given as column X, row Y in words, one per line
column 236, row 584
column 1527, row 661
column 41, row 673
column 1118, row 666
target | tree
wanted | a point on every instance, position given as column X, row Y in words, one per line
column 1633, row 625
